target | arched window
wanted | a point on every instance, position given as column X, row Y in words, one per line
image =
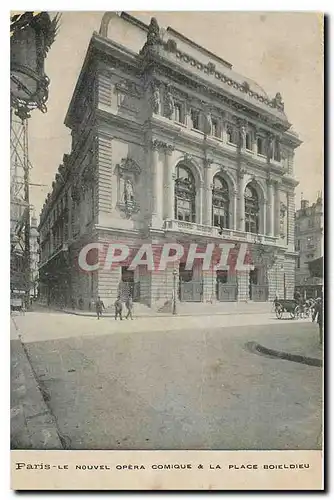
column 185, row 194
column 220, row 203
column 252, row 210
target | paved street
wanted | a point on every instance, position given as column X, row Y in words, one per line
column 177, row 384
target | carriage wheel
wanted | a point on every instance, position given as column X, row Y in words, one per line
column 279, row 312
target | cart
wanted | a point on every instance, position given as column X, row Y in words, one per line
column 286, row 306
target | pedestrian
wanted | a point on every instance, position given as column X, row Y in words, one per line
column 320, row 320
column 129, row 306
column 118, row 308
column 99, row 306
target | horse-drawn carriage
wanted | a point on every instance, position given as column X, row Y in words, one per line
column 293, row 308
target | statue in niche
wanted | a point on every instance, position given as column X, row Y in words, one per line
column 156, row 100
column 169, row 104
column 282, row 219
column 270, row 146
column 128, row 191
column 208, row 123
column 243, row 136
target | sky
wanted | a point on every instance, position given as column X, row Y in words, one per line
column 281, row 51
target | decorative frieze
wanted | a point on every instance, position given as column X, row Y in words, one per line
column 210, row 69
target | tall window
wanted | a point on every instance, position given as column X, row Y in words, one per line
column 215, row 127
column 252, row 210
column 260, row 146
column 220, row 203
column 194, row 115
column 232, row 134
column 185, row 194
column 249, row 141
column 178, row 112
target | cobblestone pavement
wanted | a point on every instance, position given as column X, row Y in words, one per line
column 120, row 386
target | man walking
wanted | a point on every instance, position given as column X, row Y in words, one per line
column 118, row 308
column 129, row 306
column 99, row 306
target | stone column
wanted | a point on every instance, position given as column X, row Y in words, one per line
column 157, row 184
column 270, row 209
column 263, row 218
column 169, row 206
column 269, row 147
column 234, row 209
column 224, row 134
column 199, row 203
column 255, row 136
column 241, row 202
column 277, row 210
column 207, row 207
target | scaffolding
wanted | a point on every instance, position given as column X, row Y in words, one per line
column 19, row 207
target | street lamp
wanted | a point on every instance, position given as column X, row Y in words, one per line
column 174, row 290
column 32, row 35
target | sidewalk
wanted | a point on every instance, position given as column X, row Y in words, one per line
column 182, row 309
column 304, row 348
column 32, row 425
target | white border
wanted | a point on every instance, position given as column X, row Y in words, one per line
column 284, row 5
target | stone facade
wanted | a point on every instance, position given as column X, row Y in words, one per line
column 170, row 144
column 309, row 227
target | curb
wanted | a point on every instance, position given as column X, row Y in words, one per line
column 33, row 425
column 160, row 315
column 296, row 358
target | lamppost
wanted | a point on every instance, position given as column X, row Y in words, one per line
column 32, row 34
column 174, row 290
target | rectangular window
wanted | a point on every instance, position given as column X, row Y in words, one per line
column 260, row 146
column 298, row 245
column 277, row 151
column 249, row 141
column 298, row 262
column 194, row 114
column 178, row 113
column 222, row 276
column 215, row 128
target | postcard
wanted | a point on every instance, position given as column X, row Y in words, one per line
column 166, row 217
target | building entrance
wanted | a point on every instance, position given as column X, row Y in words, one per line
column 226, row 289
column 190, row 289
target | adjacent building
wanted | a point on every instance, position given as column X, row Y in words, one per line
column 169, row 144
column 309, row 228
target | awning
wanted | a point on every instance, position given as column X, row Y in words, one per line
column 316, row 267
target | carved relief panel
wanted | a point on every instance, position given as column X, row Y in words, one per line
column 128, row 96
